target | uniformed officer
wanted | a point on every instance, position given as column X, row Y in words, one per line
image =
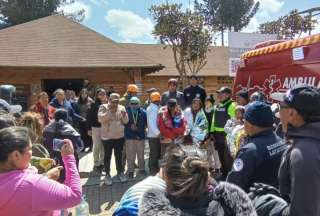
column 194, row 91
column 299, row 171
column 259, row 160
column 225, row 110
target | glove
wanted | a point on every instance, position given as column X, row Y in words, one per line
column 260, row 189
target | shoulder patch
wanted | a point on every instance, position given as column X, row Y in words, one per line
column 238, row 165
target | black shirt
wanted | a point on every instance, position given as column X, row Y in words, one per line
column 191, row 92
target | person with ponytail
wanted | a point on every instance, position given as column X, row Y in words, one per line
column 191, row 191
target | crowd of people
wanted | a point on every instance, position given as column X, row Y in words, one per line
column 206, row 157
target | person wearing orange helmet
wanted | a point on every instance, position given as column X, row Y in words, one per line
column 173, row 93
column 154, row 133
column 132, row 91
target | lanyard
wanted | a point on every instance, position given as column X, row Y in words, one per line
column 135, row 117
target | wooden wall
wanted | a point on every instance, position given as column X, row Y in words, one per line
column 29, row 81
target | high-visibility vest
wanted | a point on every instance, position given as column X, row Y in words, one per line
column 222, row 113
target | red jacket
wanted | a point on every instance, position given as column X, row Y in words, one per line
column 171, row 127
column 46, row 113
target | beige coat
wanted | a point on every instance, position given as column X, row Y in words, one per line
column 112, row 124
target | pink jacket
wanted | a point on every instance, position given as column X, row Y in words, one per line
column 24, row 192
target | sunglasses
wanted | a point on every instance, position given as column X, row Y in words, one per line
column 134, row 104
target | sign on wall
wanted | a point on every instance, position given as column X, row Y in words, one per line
column 240, row 43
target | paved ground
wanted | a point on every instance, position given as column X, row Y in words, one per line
column 102, row 199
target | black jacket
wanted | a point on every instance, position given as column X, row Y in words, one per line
column 225, row 199
column 258, row 161
column 299, row 173
column 92, row 115
column 190, row 92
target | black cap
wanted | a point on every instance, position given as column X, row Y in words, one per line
column 224, row 89
column 243, row 93
column 150, row 90
column 172, row 102
column 194, row 77
column 305, row 99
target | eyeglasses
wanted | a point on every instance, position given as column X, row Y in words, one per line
column 134, row 104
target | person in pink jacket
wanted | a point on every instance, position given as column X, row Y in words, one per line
column 23, row 191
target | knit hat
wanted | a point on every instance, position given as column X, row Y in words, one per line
column 259, row 114
column 134, row 100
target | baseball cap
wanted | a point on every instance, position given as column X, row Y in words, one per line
column 155, row 96
column 10, row 108
column 150, row 90
column 133, row 88
column 224, row 89
column 243, row 93
column 114, row 97
column 303, row 98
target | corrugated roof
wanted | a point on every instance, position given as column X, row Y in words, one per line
column 217, row 59
column 56, row 41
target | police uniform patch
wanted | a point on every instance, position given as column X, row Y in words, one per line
column 238, row 165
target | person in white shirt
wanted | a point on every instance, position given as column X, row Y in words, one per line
column 154, row 133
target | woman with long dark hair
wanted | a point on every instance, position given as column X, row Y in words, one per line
column 94, row 128
column 83, row 104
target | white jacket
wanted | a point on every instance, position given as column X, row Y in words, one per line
column 198, row 127
column 152, row 115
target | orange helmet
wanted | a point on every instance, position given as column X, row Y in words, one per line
column 132, row 88
column 155, row 96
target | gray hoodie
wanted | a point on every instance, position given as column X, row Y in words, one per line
column 299, row 173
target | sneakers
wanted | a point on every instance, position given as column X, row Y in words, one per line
column 122, row 177
column 108, row 180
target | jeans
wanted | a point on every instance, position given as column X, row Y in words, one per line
column 154, row 155
column 117, row 146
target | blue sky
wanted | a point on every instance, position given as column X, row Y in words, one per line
column 130, row 21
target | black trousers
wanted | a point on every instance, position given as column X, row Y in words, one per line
column 154, row 155
column 117, row 146
column 83, row 130
column 220, row 145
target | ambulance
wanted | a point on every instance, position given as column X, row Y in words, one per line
column 275, row 66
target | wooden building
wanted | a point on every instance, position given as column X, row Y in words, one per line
column 55, row 52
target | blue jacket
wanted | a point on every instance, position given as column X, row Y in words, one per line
column 138, row 134
column 258, row 161
column 72, row 115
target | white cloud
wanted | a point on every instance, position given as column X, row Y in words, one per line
column 272, row 6
column 76, row 7
column 131, row 27
column 265, row 13
column 99, row 2
column 253, row 25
